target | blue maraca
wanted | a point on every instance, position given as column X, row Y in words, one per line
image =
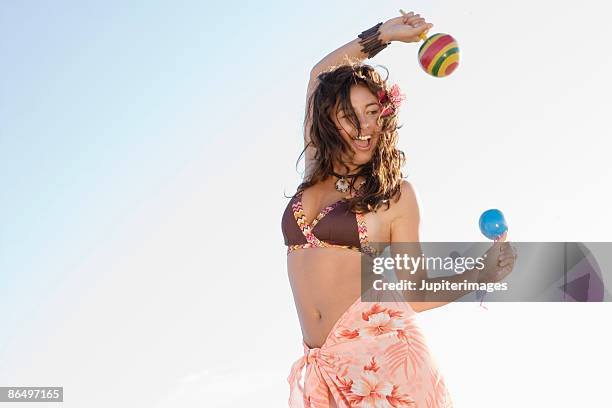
column 493, row 224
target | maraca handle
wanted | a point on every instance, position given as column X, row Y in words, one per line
column 422, row 36
column 502, row 237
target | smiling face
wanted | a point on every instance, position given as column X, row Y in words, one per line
column 367, row 110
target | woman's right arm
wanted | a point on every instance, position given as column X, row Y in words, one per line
column 349, row 51
column 405, row 28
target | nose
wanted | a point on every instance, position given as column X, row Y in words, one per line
column 364, row 123
column 364, row 127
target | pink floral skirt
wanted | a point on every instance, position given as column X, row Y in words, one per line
column 375, row 356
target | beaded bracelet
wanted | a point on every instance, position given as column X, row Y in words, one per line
column 370, row 41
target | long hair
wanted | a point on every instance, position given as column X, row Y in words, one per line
column 383, row 172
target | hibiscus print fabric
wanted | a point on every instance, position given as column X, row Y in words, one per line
column 375, row 356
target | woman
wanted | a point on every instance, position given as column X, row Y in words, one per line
column 359, row 354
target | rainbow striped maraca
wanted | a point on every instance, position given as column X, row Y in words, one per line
column 439, row 54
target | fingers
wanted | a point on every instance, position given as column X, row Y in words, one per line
column 408, row 17
column 502, row 256
column 497, row 248
column 507, row 256
column 414, row 21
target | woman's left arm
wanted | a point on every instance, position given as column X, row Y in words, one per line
column 405, row 241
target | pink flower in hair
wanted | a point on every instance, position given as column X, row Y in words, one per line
column 390, row 101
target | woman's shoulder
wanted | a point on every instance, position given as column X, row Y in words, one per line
column 405, row 201
column 407, row 188
column 399, row 203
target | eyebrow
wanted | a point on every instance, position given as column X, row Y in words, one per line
column 371, row 103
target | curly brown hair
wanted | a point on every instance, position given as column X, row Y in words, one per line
column 382, row 173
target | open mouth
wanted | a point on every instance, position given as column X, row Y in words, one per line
column 362, row 142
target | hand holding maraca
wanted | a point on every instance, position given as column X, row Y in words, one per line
column 499, row 262
column 407, row 28
column 500, row 258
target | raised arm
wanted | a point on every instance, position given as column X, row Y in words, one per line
column 405, row 28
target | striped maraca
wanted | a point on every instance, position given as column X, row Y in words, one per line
column 439, row 54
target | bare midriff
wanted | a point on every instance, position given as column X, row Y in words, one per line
column 326, row 281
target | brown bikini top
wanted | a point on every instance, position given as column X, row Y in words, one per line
column 335, row 226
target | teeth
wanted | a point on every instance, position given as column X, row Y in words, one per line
column 366, row 137
column 362, row 143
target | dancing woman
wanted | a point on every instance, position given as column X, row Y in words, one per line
column 359, row 354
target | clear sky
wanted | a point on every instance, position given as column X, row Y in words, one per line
column 145, row 149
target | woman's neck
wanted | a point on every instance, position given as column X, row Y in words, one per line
column 341, row 169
